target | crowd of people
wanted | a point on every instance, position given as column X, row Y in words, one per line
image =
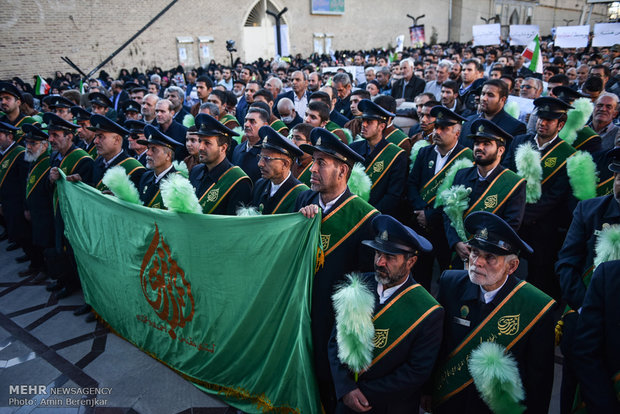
column 505, row 180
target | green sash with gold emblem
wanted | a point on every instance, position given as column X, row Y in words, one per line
column 498, row 192
column 278, row 126
column 555, row 159
column 397, row 137
column 506, row 325
column 429, row 191
column 8, row 160
column 287, row 203
column 20, row 132
column 37, row 172
column 72, row 159
column 399, row 317
column 584, row 135
column 304, row 177
column 382, row 162
column 156, row 201
column 227, row 118
column 219, row 190
column 343, row 221
column 130, row 164
column 605, row 187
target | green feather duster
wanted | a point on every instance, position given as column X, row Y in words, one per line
column 456, row 200
column 577, row 119
column 247, row 211
column 582, row 175
column 607, row 245
column 415, row 149
column 179, row 195
column 449, row 179
column 188, row 121
column 354, row 305
column 348, row 135
column 37, row 118
column 359, row 183
column 513, row 109
column 239, row 138
column 118, row 182
column 181, row 168
column 497, row 379
column 527, row 160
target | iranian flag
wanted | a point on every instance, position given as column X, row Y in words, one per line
column 41, row 87
column 532, row 53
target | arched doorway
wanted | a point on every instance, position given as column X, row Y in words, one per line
column 259, row 32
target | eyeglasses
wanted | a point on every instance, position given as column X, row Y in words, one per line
column 268, row 159
column 526, row 87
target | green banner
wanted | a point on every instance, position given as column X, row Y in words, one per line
column 222, row 300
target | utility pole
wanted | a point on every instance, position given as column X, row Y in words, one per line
column 278, row 35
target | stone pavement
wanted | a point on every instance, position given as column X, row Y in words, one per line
column 43, row 344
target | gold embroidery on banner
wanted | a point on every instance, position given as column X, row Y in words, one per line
column 381, row 338
column 377, row 167
column 213, row 195
column 508, row 325
column 490, row 201
column 550, row 162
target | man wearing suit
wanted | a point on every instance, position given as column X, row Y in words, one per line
column 427, row 173
column 597, row 341
column 386, row 163
column 136, row 133
column 546, row 220
column 221, row 187
column 346, row 221
column 342, row 83
column 492, row 100
column 277, row 190
column 487, row 303
column 575, row 266
column 409, row 86
column 169, row 127
column 299, row 95
column 401, row 364
column 494, row 188
column 244, row 154
column 119, row 96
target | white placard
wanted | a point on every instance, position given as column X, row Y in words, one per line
column 572, row 36
column 522, row 34
column 606, row 34
column 182, row 54
column 486, row 34
column 205, row 51
column 526, row 106
column 400, row 43
column 283, row 37
column 334, row 69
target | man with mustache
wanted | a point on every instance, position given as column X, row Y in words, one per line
column 159, row 157
column 10, row 102
column 87, row 137
column 401, row 363
column 346, row 221
column 244, row 154
column 277, row 190
column 494, row 188
column 487, row 303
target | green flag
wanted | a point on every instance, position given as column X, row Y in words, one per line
column 224, row 301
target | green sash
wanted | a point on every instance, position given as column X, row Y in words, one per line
column 382, row 162
column 605, row 187
column 509, row 322
column 497, row 193
column 41, row 167
column 93, row 152
column 8, row 160
column 227, row 118
column 332, row 127
column 428, row 192
column 555, row 159
column 343, row 221
column 130, row 164
column 397, row 137
column 71, row 160
column 304, row 177
column 20, row 132
column 278, row 125
column 399, row 317
column 287, row 203
column 156, row 201
column 219, row 190
column 584, row 135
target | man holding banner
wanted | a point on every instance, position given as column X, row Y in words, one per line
column 492, row 315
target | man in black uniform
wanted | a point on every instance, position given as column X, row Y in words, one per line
column 428, row 172
column 159, row 157
column 39, row 211
column 277, row 190
column 546, row 220
column 346, row 222
column 136, row 134
column 386, row 163
column 403, row 358
column 10, row 102
column 221, row 187
column 87, row 137
column 61, row 106
column 487, row 303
